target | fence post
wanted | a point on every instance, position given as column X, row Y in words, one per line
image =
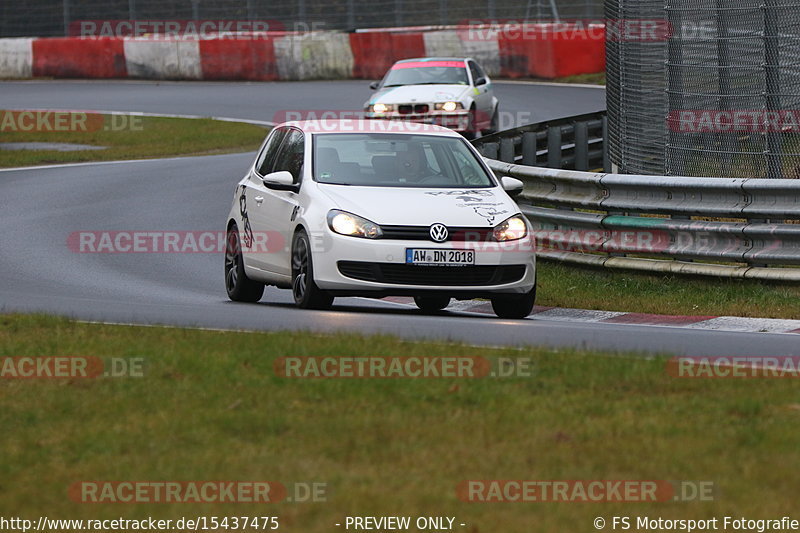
column 398, row 13
column 606, row 159
column 772, row 68
column 724, row 73
column 351, row 15
column 66, row 17
column 674, row 88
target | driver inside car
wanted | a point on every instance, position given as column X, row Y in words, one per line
column 412, row 165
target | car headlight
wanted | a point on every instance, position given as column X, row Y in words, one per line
column 449, row 106
column 511, row 229
column 381, row 108
column 345, row 223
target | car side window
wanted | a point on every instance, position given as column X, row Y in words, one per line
column 267, row 157
column 476, row 71
column 292, row 153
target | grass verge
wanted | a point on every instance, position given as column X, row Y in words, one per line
column 562, row 285
column 598, row 78
column 129, row 137
column 210, row 407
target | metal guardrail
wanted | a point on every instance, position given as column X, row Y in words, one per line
column 724, row 227
column 574, row 143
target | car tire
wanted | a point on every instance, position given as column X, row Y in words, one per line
column 472, row 129
column 495, row 124
column 239, row 287
column 431, row 304
column 304, row 290
column 514, row 306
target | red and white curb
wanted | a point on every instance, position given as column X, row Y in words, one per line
column 718, row 323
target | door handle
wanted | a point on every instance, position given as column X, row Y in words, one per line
column 259, row 199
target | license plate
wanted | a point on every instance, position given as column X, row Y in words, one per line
column 433, row 257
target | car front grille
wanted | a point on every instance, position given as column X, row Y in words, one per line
column 409, row 109
column 446, row 276
column 422, row 233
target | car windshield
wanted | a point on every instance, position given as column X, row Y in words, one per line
column 427, row 73
column 397, row 160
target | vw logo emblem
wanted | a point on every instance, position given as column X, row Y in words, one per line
column 438, row 232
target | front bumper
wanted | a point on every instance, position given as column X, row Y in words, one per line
column 455, row 120
column 354, row 266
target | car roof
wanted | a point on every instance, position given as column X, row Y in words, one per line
column 321, row 127
column 425, row 59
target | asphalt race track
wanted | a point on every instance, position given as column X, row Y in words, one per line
column 262, row 101
column 40, row 207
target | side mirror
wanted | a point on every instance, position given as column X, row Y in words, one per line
column 480, row 81
column 374, row 85
column 283, row 178
column 512, row 186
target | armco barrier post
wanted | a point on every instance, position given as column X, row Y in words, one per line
column 581, row 146
column 529, row 148
column 554, row 147
column 507, row 150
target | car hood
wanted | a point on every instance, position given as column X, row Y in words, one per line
column 418, row 93
column 422, row 207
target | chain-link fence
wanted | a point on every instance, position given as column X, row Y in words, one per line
column 717, row 93
column 44, row 18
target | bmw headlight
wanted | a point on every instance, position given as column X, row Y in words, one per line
column 449, row 106
column 381, row 108
column 345, row 223
column 511, row 229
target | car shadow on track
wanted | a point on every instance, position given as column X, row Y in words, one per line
column 387, row 309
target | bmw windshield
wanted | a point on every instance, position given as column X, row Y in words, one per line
column 427, row 73
column 395, row 160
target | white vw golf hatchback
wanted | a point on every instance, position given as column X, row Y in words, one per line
column 376, row 208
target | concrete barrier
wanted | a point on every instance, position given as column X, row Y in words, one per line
column 79, row 58
column 314, row 56
column 16, row 58
column 551, row 51
column 163, row 59
column 375, row 52
column 224, row 59
column 538, row 51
